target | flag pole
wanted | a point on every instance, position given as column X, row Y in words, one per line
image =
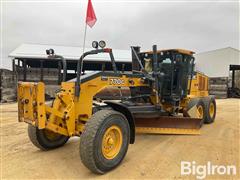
column 84, row 43
column 78, row 88
column 90, row 20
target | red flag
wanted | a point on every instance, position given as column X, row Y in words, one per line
column 91, row 17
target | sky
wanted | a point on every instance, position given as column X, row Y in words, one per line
column 195, row 25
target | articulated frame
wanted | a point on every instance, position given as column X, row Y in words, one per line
column 68, row 113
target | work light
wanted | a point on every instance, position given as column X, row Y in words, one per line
column 95, row 44
column 49, row 51
column 102, row 44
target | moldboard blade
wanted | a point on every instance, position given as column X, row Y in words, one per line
column 168, row 125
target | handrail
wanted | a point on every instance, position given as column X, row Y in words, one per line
column 64, row 62
column 80, row 63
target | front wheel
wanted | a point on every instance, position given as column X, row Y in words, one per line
column 45, row 139
column 105, row 140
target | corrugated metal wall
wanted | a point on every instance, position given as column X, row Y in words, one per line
column 216, row 63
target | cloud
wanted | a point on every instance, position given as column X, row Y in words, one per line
column 198, row 26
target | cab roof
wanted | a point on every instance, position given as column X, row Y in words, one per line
column 182, row 51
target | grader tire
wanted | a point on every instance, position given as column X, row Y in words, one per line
column 104, row 142
column 210, row 108
column 200, row 104
column 41, row 138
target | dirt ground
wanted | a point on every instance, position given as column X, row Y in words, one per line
column 151, row 157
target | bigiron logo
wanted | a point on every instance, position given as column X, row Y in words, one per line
column 201, row 171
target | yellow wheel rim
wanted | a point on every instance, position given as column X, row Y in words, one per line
column 211, row 109
column 112, row 142
column 200, row 112
column 51, row 135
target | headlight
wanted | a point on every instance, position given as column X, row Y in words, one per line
column 102, row 44
column 95, row 44
column 50, row 52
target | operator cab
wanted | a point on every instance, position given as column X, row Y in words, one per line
column 171, row 72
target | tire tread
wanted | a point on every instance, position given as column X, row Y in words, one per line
column 87, row 139
column 35, row 137
column 32, row 134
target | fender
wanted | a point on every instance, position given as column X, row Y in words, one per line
column 127, row 113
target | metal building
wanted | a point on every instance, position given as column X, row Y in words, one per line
column 223, row 68
column 216, row 63
column 30, row 62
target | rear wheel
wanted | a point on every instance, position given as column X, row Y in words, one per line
column 45, row 139
column 200, row 108
column 105, row 140
column 210, row 108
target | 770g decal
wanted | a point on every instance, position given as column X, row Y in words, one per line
column 116, row 81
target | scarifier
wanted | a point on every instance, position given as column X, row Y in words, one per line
column 167, row 97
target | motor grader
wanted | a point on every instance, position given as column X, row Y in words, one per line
column 167, row 97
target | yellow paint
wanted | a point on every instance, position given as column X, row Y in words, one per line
column 112, row 142
column 199, row 86
column 31, row 103
column 40, row 98
column 57, row 129
column 200, row 112
column 211, row 110
column 51, row 135
column 68, row 114
column 167, row 130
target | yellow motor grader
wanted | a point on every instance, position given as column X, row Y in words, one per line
column 167, row 97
